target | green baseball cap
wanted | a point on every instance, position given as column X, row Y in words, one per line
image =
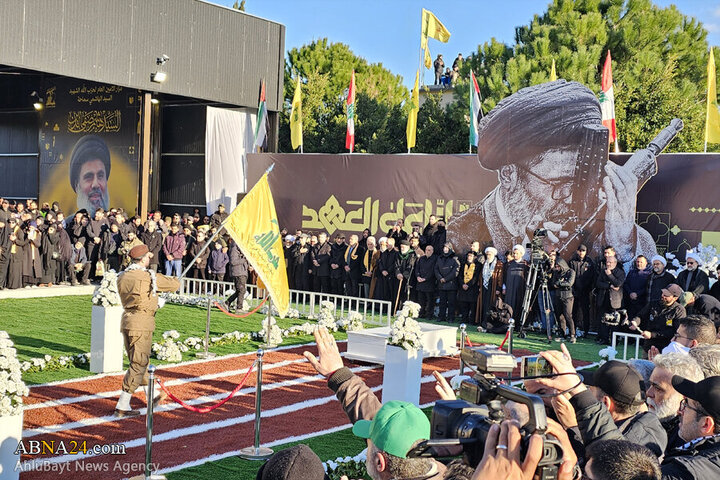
column 396, row 426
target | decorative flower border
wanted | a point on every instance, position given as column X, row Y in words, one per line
column 12, row 387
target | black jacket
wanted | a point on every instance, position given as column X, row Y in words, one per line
column 656, row 283
column 584, row 273
column 337, row 257
column 447, row 267
column 321, row 254
column 471, row 294
column 699, row 461
column 154, row 242
column 595, row 423
column 605, row 281
column 699, row 281
column 563, row 280
column 708, row 306
column 425, row 268
column 661, row 321
column 238, row 262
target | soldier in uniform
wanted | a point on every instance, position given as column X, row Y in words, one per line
column 138, row 288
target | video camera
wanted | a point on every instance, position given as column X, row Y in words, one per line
column 466, row 421
column 538, row 256
column 616, row 318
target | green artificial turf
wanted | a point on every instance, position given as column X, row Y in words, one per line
column 327, row 447
column 61, row 326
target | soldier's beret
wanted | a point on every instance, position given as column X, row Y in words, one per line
column 139, row 251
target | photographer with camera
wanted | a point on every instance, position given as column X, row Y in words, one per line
column 608, row 295
column 612, row 407
column 657, row 322
column 563, row 279
column 396, row 427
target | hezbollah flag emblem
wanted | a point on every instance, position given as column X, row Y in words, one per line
column 254, row 226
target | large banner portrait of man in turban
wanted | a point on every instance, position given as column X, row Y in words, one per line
column 89, row 146
column 549, row 150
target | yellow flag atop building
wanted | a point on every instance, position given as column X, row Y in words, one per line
column 431, row 28
column 712, row 115
column 296, row 136
column 553, row 75
column 254, row 226
column 411, row 129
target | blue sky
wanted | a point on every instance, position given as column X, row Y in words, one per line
column 388, row 31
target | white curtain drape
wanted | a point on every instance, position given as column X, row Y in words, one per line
column 228, row 137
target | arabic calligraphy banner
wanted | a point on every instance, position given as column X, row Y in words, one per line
column 89, row 146
column 349, row 193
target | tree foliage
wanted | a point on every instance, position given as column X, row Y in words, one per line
column 659, row 60
column 325, row 69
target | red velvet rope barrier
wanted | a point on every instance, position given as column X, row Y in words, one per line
column 507, row 334
column 470, row 344
column 222, row 309
column 212, row 407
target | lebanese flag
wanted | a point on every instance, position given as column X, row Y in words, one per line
column 350, row 135
column 607, row 100
column 475, row 109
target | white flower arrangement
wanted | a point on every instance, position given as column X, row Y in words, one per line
column 409, row 310
column 350, row 467
column 106, row 295
column 291, row 313
column 352, row 323
column 607, row 354
column 326, row 317
column 276, row 334
column 405, row 333
column 12, row 387
column 48, row 362
column 168, row 350
column 187, row 300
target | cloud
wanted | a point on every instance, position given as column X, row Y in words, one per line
column 712, row 27
column 716, row 12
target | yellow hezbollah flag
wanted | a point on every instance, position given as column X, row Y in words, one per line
column 712, row 116
column 296, row 136
column 411, row 128
column 433, row 28
column 553, row 75
column 254, row 226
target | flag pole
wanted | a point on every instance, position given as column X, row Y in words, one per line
column 470, row 94
column 420, row 56
column 210, row 240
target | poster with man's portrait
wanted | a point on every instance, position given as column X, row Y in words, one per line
column 89, row 144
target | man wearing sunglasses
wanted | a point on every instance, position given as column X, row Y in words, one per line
column 692, row 279
column 700, row 428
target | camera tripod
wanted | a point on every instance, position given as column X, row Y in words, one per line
column 531, row 295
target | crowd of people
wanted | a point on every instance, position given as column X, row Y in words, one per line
column 479, row 286
column 449, row 76
column 41, row 247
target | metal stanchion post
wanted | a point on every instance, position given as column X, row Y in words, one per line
column 463, row 336
column 511, row 329
column 256, row 452
column 205, row 353
column 149, row 424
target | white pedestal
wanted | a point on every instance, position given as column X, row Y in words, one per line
column 401, row 375
column 368, row 345
column 10, row 435
column 106, row 340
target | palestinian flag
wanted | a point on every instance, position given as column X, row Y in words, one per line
column 475, row 110
column 262, row 119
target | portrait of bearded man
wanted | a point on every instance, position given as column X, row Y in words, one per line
column 89, row 173
column 550, row 151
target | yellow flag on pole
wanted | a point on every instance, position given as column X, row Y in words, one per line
column 433, row 28
column 411, row 129
column 254, row 226
column 553, row 75
column 712, row 116
column 296, row 136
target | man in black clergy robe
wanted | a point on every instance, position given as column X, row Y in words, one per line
column 386, row 273
column 514, row 276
